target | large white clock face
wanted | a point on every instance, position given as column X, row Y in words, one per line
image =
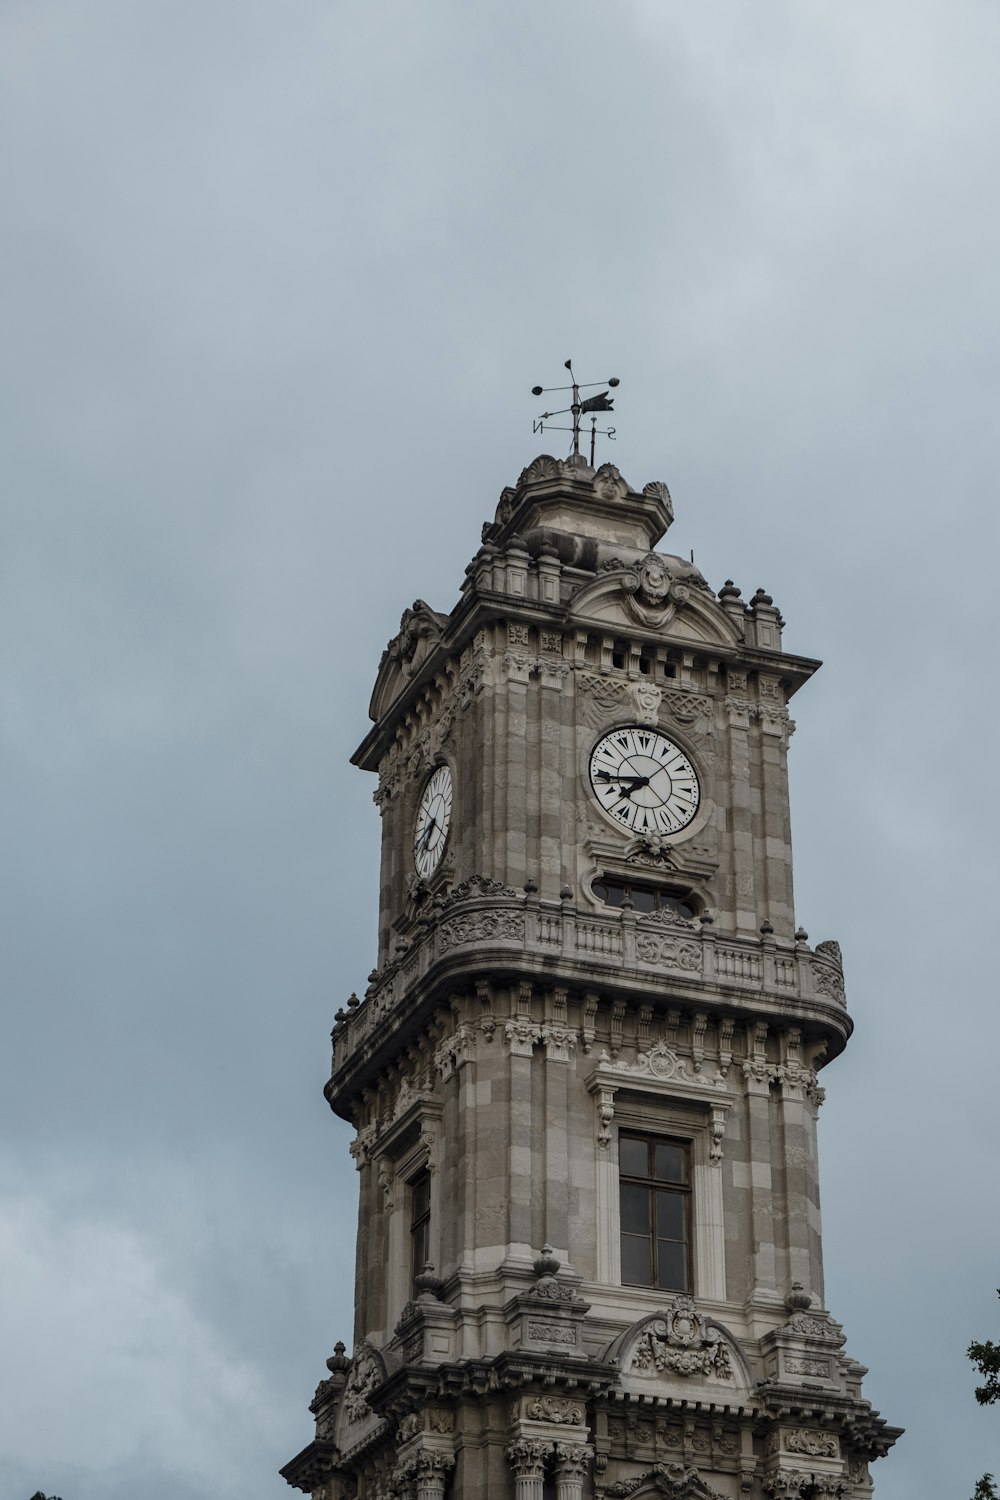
column 433, row 822
column 643, row 781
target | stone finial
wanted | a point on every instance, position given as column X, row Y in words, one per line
column 546, row 1264
column 798, row 1299
column 729, row 590
column 428, row 1283
column 338, row 1363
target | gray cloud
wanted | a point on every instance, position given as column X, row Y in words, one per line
column 278, row 279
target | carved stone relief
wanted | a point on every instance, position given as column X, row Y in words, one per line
column 365, row 1374
column 682, row 1342
column 812, row 1444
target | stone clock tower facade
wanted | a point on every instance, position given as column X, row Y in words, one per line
column 584, row 1075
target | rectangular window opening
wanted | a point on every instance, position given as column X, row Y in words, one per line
column 420, row 1222
column 655, row 1202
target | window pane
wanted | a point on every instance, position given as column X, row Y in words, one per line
column 421, row 1248
column 670, row 1216
column 610, row 892
column 636, row 1260
column 635, row 1209
column 421, row 1199
column 643, row 901
column 633, row 1156
column 672, row 1266
column 669, row 1163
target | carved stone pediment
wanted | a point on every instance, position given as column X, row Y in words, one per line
column 677, row 1480
column 356, row 1418
column 420, row 630
column 657, row 593
column 680, row 1345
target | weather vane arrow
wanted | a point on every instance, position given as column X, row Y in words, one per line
column 577, row 409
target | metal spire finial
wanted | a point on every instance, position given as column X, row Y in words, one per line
column 579, row 408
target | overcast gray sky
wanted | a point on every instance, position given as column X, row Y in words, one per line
column 277, row 278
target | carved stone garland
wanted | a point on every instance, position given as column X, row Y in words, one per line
column 682, row 1342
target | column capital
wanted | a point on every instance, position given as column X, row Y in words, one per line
column 573, row 1460
column 527, row 1457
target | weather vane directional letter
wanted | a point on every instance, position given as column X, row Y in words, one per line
column 590, row 407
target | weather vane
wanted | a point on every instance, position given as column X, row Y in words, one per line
column 590, row 407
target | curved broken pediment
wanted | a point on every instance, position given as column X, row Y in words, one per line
column 680, row 1347
column 678, row 1481
column 355, row 1417
column 420, row 630
column 657, row 593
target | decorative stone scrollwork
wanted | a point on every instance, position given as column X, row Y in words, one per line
column 681, row 1341
column 654, row 580
column 668, row 951
column 455, row 1050
column 657, row 490
column 365, row 1374
column 828, row 982
column 785, row 1484
column 609, row 484
column 555, row 1409
column 647, row 699
column 475, row 886
column 812, row 1444
column 409, row 1427
column 658, row 1062
column 360, row 1148
column 679, row 1481
column 479, row 927
column 820, row 1368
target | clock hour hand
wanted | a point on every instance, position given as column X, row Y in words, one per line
column 426, row 835
column 635, row 782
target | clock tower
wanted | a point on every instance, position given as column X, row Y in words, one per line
column 584, row 1077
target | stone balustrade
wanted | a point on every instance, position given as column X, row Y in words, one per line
column 486, row 930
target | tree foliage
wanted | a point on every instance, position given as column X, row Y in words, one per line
column 986, row 1357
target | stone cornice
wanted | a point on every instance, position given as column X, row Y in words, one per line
column 616, row 954
column 483, row 604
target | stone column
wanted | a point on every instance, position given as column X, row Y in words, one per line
column 759, row 1075
column 527, row 1458
column 572, row 1463
column 744, row 898
column 432, row 1470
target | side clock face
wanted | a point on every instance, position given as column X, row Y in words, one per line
column 433, row 822
column 643, row 781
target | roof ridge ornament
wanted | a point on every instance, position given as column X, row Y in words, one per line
column 590, row 406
